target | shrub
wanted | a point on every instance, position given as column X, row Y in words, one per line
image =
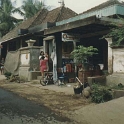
column 117, row 86
column 100, row 94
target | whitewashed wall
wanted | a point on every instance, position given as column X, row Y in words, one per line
column 118, row 60
column 25, row 59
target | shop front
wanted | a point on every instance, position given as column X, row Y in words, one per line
column 94, row 65
column 67, row 66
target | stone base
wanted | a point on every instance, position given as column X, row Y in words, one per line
column 27, row 75
column 24, row 73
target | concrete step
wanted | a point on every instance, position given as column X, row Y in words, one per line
column 39, row 77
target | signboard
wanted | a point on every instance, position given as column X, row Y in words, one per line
column 70, row 37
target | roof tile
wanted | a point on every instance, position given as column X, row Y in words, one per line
column 42, row 16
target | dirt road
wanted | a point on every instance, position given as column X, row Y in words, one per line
column 63, row 102
column 17, row 110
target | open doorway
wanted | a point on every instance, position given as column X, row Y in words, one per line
column 49, row 50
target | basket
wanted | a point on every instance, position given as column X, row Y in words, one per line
column 78, row 90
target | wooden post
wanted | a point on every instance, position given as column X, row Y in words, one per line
column 75, row 68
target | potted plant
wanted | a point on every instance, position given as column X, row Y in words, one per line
column 80, row 55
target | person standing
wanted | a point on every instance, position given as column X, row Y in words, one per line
column 43, row 65
column 47, row 58
column 41, row 54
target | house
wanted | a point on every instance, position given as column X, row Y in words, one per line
column 33, row 29
column 28, row 29
column 90, row 26
column 87, row 28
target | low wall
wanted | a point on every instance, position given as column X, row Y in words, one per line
column 115, row 78
column 118, row 93
column 118, row 60
column 97, row 79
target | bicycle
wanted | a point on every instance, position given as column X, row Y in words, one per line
column 47, row 79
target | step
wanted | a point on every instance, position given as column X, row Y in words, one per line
column 39, row 77
column 33, row 75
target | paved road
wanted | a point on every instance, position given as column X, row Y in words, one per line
column 16, row 110
column 111, row 112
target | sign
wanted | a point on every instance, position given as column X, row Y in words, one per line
column 70, row 37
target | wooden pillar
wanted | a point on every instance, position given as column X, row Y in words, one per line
column 21, row 43
column 0, row 50
column 74, row 44
column 110, row 56
column 7, row 47
column 44, row 46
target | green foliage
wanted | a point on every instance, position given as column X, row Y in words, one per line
column 117, row 33
column 31, row 7
column 118, row 87
column 100, row 94
column 7, row 21
column 81, row 53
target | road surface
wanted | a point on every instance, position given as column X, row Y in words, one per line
column 17, row 110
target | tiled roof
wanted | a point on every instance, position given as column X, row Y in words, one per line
column 59, row 14
column 42, row 16
column 24, row 25
column 105, row 4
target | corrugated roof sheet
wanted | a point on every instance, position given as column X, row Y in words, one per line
column 103, row 5
column 109, row 8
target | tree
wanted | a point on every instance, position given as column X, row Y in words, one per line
column 31, row 7
column 7, row 21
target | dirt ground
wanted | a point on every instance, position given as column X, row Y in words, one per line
column 62, row 103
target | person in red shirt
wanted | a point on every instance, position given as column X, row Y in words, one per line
column 43, row 65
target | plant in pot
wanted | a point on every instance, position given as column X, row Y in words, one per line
column 81, row 54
